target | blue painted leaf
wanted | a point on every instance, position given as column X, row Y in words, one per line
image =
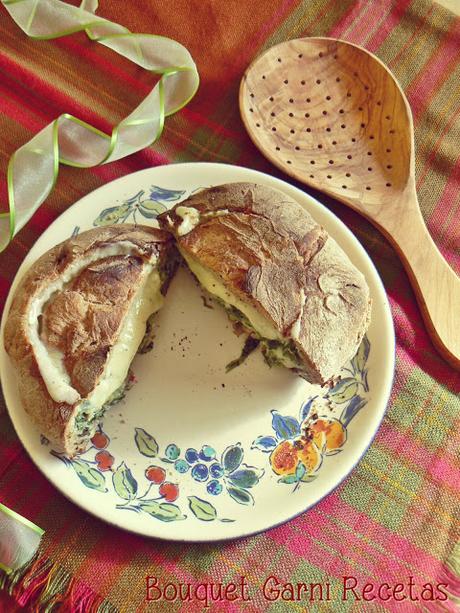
column 264, row 443
column 164, row 511
column 202, row 509
column 151, row 208
column 135, row 199
column 146, row 443
column 75, row 232
column 305, row 410
column 344, row 390
column 112, row 215
column 308, row 478
column 240, row 495
column 289, row 479
column 248, row 476
column 285, row 426
column 232, row 457
column 365, row 382
column 168, row 195
column 360, row 359
column 89, row 476
column 124, row 484
column 354, row 406
column 300, row 471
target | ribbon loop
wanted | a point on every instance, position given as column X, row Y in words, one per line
column 33, row 168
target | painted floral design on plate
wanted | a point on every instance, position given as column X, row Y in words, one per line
column 293, row 451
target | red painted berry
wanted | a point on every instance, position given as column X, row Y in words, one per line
column 104, row 460
column 169, row 491
column 100, row 440
column 155, row 474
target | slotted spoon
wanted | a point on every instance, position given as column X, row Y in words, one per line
column 332, row 115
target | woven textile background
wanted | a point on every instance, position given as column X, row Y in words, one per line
column 397, row 515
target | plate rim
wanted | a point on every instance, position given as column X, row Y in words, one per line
column 215, row 166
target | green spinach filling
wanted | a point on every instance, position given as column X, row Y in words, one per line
column 276, row 353
column 87, row 419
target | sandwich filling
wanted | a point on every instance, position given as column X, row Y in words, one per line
column 277, row 349
column 109, row 388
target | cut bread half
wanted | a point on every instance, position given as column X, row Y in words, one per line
column 76, row 322
column 277, row 272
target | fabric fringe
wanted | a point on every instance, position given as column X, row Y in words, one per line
column 451, row 574
column 43, row 587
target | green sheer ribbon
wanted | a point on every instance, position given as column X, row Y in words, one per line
column 19, row 539
column 33, row 168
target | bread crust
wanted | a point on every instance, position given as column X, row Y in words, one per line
column 269, row 251
column 82, row 321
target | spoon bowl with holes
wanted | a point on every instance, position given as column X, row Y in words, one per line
column 332, row 115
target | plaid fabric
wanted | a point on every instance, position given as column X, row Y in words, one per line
column 397, row 515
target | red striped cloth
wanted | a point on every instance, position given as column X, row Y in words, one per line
column 397, row 515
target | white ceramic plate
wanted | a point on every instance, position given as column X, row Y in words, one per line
column 193, row 453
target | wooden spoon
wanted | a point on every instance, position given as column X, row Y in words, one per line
column 332, row 115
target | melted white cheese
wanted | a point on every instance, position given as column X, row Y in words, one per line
column 190, row 219
column 214, row 285
column 49, row 360
column 148, row 300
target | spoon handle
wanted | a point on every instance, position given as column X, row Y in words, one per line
column 436, row 285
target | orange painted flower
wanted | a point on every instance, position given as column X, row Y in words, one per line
column 328, row 434
column 284, row 458
column 309, row 454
